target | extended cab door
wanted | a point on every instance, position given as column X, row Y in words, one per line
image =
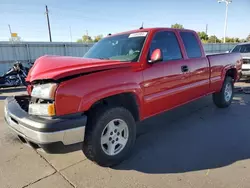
column 165, row 82
column 198, row 65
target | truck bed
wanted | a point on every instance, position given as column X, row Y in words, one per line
column 219, row 64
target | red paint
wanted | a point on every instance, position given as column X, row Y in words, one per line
column 56, row 67
column 158, row 87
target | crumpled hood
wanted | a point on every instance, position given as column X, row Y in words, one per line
column 56, row 67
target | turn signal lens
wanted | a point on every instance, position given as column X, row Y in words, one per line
column 51, row 109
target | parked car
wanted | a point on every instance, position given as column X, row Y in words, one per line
column 244, row 49
column 123, row 79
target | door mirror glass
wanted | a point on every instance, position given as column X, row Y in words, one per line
column 156, row 56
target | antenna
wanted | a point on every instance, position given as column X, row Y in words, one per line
column 141, row 26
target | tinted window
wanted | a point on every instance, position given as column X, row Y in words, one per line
column 167, row 42
column 244, row 48
column 191, row 44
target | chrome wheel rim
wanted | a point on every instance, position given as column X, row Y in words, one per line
column 114, row 137
column 228, row 92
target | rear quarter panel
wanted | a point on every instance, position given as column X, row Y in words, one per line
column 219, row 65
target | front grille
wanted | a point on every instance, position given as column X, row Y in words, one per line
column 246, row 61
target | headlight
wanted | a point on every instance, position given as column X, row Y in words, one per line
column 42, row 109
column 44, row 91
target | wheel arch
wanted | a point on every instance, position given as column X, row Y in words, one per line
column 128, row 100
column 232, row 72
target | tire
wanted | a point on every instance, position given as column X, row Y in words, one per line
column 224, row 98
column 98, row 125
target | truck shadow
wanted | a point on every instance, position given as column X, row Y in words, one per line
column 194, row 137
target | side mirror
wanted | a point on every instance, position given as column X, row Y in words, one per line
column 156, row 56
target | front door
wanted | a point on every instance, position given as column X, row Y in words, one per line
column 164, row 82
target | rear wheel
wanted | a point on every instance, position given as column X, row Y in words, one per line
column 110, row 136
column 224, row 98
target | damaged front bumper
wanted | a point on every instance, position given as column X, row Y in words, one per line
column 44, row 132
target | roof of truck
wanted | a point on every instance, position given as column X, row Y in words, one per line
column 149, row 29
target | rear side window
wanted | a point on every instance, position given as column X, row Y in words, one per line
column 167, row 42
column 191, row 44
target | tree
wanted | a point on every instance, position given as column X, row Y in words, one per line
column 232, row 40
column 203, row 36
column 243, row 40
column 97, row 38
column 85, row 39
column 213, row 39
column 177, row 26
column 248, row 38
column 237, row 40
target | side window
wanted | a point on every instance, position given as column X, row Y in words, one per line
column 191, row 45
column 167, row 42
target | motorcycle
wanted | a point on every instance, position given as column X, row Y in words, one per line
column 15, row 76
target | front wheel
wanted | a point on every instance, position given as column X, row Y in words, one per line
column 224, row 98
column 109, row 136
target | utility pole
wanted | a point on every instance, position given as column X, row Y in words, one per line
column 47, row 15
column 87, row 34
column 206, row 28
column 225, row 25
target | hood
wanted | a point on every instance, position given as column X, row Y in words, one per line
column 56, row 67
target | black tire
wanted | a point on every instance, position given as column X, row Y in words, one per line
column 219, row 97
column 96, row 123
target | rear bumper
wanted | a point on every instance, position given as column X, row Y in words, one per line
column 42, row 131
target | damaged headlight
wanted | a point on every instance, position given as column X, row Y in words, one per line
column 44, row 91
column 44, row 105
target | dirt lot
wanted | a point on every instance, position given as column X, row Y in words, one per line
column 196, row 145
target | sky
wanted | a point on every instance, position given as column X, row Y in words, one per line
column 28, row 19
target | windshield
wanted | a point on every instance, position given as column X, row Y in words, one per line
column 244, row 48
column 126, row 47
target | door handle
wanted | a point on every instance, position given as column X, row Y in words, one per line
column 184, row 68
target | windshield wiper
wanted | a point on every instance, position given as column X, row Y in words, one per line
column 106, row 58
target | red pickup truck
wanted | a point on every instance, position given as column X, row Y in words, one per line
column 122, row 79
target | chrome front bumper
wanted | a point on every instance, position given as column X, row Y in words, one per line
column 67, row 130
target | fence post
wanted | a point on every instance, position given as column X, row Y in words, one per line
column 65, row 49
column 28, row 52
